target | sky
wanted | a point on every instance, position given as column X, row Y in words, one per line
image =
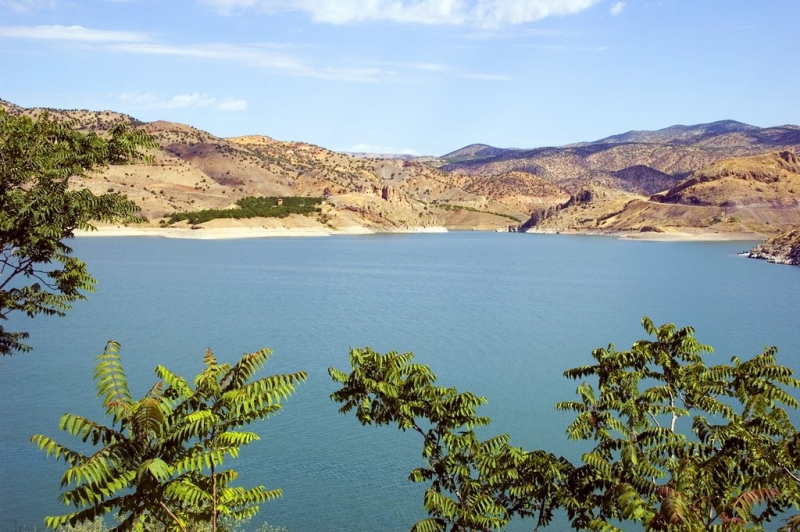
column 422, row 77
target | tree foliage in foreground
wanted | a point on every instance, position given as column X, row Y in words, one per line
column 473, row 484
column 677, row 444
column 680, row 445
column 98, row 525
column 38, row 212
column 160, row 461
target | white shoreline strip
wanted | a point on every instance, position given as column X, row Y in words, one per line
column 229, row 233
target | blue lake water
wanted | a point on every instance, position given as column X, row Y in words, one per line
column 502, row 315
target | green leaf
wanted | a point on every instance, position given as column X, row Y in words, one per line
column 39, row 211
column 164, row 463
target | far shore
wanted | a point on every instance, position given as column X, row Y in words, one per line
column 242, row 232
column 685, row 235
column 238, row 232
column 700, row 236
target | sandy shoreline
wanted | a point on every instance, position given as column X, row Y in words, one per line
column 240, row 232
column 670, row 236
column 228, row 233
column 693, row 237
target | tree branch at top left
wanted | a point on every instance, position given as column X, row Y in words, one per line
column 39, row 212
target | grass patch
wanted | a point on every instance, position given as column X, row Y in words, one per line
column 253, row 207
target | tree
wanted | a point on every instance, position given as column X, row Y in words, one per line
column 38, row 212
column 678, row 445
column 473, row 484
column 736, row 464
column 160, row 462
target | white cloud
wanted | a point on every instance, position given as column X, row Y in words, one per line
column 251, row 55
column 617, row 8
column 438, row 68
column 495, row 13
column 150, row 100
column 538, row 32
column 427, row 67
column 264, row 56
column 229, row 6
column 386, row 150
column 481, row 13
column 486, row 77
column 232, row 104
column 270, row 56
column 568, row 48
column 190, row 100
column 22, row 6
column 70, row 33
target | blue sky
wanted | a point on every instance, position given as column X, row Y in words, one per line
column 409, row 76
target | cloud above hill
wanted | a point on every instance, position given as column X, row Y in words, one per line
column 290, row 60
column 149, row 100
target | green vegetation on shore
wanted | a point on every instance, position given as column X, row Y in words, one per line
column 253, row 207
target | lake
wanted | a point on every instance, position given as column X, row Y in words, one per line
column 501, row 315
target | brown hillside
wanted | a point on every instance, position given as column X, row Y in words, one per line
column 771, row 180
column 193, row 170
column 642, row 179
column 601, row 186
column 586, row 210
column 519, row 190
column 642, row 162
column 759, row 194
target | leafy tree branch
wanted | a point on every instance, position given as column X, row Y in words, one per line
column 474, row 484
column 39, row 211
column 160, row 460
column 678, row 444
column 732, row 469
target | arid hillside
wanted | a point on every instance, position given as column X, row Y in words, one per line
column 759, row 194
column 194, row 170
column 766, row 180
column 642, row 162
column 678, row 178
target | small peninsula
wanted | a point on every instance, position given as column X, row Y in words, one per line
column 783, row 248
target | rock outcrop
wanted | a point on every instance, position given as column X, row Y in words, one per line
column 780, row 249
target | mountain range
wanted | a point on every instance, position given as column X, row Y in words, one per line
column 642, row 162
column 725, row 176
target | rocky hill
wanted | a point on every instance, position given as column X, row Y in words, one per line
column 643, row 162
column 759, row 194
column 771, row 180
column 678, row 178
column 194, row 170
